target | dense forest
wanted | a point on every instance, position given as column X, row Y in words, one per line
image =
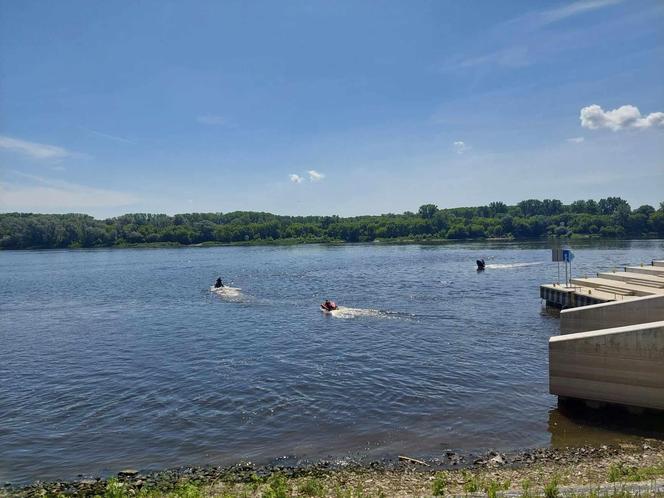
column 610, row 217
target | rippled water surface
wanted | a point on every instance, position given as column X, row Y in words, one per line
column 125, row 358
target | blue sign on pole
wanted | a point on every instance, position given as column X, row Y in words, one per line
column 568, row 255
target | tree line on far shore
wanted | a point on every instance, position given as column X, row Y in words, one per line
column 611, row 218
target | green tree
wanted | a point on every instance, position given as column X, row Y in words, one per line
column 530, row 207
column 427, row 211
column 612, row 204
column 645, row 210
column 497, row 207
column 457, row 232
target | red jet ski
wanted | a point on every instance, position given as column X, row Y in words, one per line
column 328, row 306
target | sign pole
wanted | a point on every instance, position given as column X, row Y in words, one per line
column 557, row 256
column 565, row 273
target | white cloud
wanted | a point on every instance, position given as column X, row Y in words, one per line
column 576, row 140
column 295, row 178
column 460, row 147
column 33, row 149
column 625, row 117
column 43, row 194
column 212, row 119
column 315, row 176
column 115, row 138
column 554, row 15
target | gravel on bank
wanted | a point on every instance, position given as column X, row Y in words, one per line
column 523, row 473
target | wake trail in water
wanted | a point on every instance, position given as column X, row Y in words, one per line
column 229, row 293
column 346, row 313
column 507, row 266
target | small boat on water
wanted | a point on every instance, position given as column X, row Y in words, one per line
column 328, row 306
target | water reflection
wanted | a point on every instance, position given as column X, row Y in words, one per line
column 574, row 424
column 549, row 312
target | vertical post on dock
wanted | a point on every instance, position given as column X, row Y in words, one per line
column 557, row 256
column 566, row 281
column 568, row 256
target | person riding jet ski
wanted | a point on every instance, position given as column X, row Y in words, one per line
column 480, row 264
column 329, row 305
column 218, row 284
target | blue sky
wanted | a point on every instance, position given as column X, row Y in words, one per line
column 322, row 107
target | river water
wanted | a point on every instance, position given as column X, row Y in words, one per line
column 124, row 358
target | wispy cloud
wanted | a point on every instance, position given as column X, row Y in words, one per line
column 576, row 140
column 115, row 138
column 315, row 176
column 514, row 57
column 212, row 119
column 516, row 42
column 624, row 117
column 38, row 193
column 33, row 149
column 295, row 178
column 545, row 17
column 460, row 147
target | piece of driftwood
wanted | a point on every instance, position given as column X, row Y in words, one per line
column 413, row 460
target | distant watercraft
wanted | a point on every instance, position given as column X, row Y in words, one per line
column 328, row 306
column 480, row 265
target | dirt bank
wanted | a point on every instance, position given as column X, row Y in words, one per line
column 523, row 473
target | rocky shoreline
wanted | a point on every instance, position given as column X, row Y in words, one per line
column 398, row 476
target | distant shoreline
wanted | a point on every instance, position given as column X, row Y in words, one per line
column 610, row 218
column 302, row 242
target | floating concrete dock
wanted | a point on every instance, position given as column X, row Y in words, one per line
column 634, row 281
column 611, row 347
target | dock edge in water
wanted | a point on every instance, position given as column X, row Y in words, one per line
column 611, row 347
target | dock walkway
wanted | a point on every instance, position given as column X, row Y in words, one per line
column 632, row 282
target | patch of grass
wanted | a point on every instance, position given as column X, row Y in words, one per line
column 357, row 492
column 471, row 482
column 229, row 490
column 148, row 493
column 255, row 481
column 182, row 490
column 526, row 489
column 277, row 487
column 187, row 490
column 616, row 472
column 439, row 484
column 114, row 489
column 551, row 488
column 313, row 487
column 492, row 487
column 622, row 472
column 340, row 492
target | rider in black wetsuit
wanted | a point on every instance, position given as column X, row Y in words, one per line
column 218, row 284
